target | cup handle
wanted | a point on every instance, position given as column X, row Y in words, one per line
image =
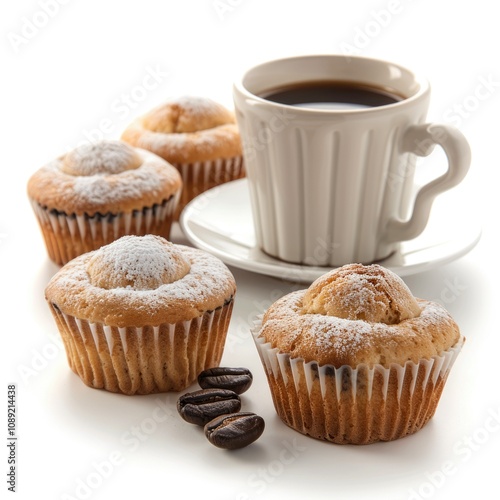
column 420, row 140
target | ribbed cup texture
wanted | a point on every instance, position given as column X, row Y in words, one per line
column 68, row 236
column 144, row 360
column 322, row 195
column 358, row 405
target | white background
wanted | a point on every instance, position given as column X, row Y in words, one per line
column 79, row 74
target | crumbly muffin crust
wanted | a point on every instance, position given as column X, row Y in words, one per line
column 187, row 129
column 137, row 281
column 358, row 314
column 105, row 177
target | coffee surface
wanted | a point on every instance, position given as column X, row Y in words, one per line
column 338, row 95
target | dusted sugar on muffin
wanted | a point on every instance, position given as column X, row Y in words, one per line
column 356, row 358
column 99, row 192
column 196, row 135
column 142, row 315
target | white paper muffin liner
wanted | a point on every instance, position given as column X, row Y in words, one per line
column 143, row 360
column 200, row 176
column 354, row 405
column 68, row 236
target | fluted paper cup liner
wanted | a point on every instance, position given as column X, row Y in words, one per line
column 358, row 405
column 200, row 176
column 68, row 236
column 144, row 360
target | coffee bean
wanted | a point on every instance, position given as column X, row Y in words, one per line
column 234, row 431
column 235, row 379
column 200, row 407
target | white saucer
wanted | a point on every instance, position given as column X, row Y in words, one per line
column 220, row 222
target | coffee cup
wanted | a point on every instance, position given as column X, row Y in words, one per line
column 330, row 145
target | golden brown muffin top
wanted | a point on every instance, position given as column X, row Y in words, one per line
column 358, row 314
column 104, row 177
column 185, row 130
column 141, row 280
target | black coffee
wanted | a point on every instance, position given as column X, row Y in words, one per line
column 332, row 95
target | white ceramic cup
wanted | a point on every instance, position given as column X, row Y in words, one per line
column 334, row 186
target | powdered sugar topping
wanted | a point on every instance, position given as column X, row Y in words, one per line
column 137, row 263
column 207, row 285
column 354, row 291
column 339, row 341
column 196, row 105
column 96, row 188
column 101, row 158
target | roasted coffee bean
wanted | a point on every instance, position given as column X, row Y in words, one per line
column 234, row 431
column 235, row 379
column 200, row 407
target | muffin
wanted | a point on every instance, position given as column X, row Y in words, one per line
column 142, row 315
column 196, row 135
column 355, row 358
column 99, row 192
